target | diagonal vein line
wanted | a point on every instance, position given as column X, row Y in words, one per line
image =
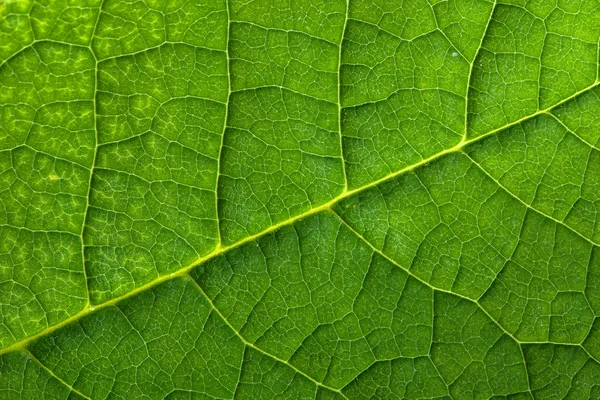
column 529, row 206
column 464, row 143
column 326, row 206
column 51, row 373
column 434, row 288
column 253, row 346
column 572, row 131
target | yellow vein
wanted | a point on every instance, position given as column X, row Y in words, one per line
column 223, row 249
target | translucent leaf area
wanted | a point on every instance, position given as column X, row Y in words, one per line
column 294, row 199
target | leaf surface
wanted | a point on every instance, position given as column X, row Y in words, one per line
column 299, row 199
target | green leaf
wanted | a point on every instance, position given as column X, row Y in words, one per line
column 299, row 199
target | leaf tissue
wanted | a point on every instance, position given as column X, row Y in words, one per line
column 292, row 199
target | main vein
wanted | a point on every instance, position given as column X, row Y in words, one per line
column 89, row 309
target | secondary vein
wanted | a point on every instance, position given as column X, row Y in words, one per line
column 89, row 309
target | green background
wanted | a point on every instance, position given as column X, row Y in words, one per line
column 299, row 199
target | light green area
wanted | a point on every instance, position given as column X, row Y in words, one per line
column 259, row 199
column 15, row 28
column 152, row 201
column 46, row 150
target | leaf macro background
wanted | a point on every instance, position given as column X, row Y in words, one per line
column 299, row 199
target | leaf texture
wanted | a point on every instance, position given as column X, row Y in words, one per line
column 320, row 199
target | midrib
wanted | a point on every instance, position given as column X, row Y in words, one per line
column 89, row 309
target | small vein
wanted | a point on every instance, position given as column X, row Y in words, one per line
column 229, row 92
column 471, row 66
column 477, row 303
column 529, row 206
column 49, row 371
column 87, row 198
column 253, row 346
column 339, row 99
column 326, row 206
column 572, row 132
